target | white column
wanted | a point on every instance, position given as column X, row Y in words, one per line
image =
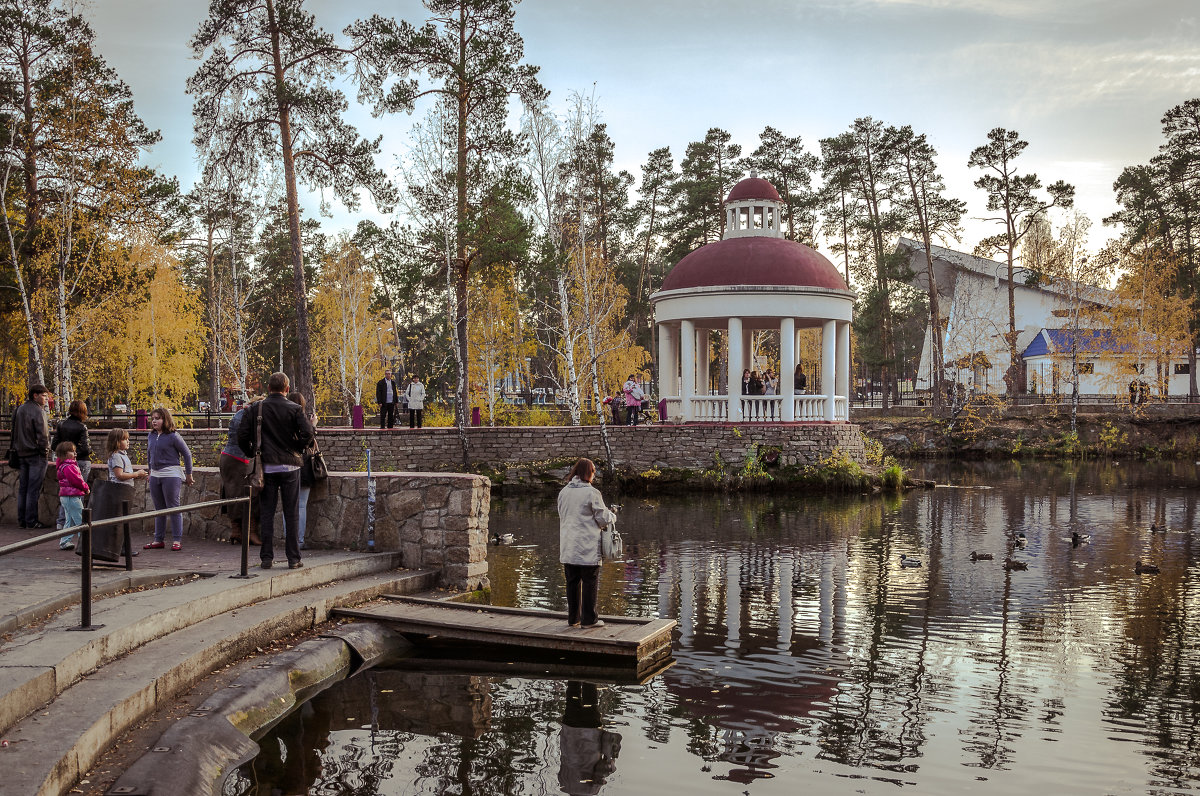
column 745, row 352
column 705, row 357
column 668, row 361
column 843, row 363
column 687, row 351
column 734, row 391
column 828, row 355
column 787, row 367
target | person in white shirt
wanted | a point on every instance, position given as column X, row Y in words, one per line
column 416, row 401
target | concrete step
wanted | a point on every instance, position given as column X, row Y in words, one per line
column 38, row 664
column 49, row 749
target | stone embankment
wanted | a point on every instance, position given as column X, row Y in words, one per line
column 1152, row 432
column 435, row 521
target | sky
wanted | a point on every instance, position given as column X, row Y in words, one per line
column 1085, row 82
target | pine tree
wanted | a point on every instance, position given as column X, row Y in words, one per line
column 264, row 95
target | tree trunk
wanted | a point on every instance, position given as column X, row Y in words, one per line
column 304, row 372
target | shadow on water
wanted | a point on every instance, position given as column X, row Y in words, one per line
column 808, row 657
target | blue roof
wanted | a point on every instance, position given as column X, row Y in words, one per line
column 1089, row 341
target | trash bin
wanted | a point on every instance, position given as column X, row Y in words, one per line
column 356, row 416
column 141, row 420
column 109, row 499
column 476, row 420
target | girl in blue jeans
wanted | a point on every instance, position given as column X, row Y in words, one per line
column 167, row 476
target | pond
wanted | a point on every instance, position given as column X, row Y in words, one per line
column 807, row 657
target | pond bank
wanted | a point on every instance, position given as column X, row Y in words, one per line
column 1170, row 432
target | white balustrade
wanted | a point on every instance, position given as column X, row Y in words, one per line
column 841, row 408
column 810, row 407
column 674, row 408
column 762, row 408
column 710, row 408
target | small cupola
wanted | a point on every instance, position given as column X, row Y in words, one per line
column 753, row 209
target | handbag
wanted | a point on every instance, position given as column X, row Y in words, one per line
column 314, row 464
column 254, row 478
column 612, row 546
column 14, row 460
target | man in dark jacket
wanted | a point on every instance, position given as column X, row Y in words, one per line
column 387, row 395
column 31, row 438
column 286, row 432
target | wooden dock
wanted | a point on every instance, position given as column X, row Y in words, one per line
column 640, row 643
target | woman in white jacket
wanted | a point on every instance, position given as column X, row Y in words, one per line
column 415, row 397
column 581, row 516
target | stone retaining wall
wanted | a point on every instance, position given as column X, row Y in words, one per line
column 436, row 521
column 641, row 447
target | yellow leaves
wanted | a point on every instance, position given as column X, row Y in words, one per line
column 348, row 337
column 144, row 346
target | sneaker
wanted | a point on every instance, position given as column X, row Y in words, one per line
column 154, row 546
column 66, row 544
column 296, row 565
column 265, row 565
column 597, row 623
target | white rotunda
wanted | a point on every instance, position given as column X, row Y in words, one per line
column 750, row 280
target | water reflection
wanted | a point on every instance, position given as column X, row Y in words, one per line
column 808, row 657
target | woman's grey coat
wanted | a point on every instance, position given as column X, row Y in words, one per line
column 581, row 516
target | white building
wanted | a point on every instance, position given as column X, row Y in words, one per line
column 973, row 304
column 1106, row 364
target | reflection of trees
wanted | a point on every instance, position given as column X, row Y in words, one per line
column 800, row 635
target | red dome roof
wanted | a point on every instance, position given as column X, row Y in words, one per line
column 754, row 261
column 753, row 188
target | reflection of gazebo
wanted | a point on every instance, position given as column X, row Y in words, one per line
column 751, row 280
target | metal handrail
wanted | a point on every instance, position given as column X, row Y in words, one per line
column 85, row 537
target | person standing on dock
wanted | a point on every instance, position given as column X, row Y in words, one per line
column 582, row 515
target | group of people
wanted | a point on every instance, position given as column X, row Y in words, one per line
column 628, row 404
column 391, row 400
column 278, row 427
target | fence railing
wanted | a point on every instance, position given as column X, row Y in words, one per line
column 86, row 530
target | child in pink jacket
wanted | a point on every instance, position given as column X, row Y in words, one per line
column 71, row 489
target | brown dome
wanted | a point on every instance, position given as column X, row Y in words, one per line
column 754, row 261
column 753, row 188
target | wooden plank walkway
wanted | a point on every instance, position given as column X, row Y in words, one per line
column 641, row 642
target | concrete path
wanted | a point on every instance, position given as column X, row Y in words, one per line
column 174, row 619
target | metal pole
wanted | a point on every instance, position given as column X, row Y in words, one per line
column 370, row 506
column 85, row 597
column 245, row 573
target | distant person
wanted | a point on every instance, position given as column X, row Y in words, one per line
column 582, row 515
column 633, row 400
column 770, row 387
column 31, row 440
column 234, row 466
column 387, row 395
column 72, row 429
column 800, row 381
column 71, row 489
column 286, row 432
column 755, row 388
column 167, row 476
column 415, row 396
